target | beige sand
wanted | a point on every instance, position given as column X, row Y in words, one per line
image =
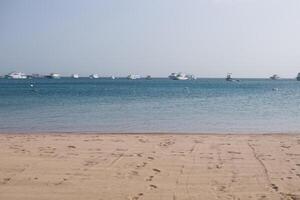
column 192, row 167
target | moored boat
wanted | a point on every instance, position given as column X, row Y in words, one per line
column 75, row 75
column 229, row 78
column 133, row 77
column 94, row 76
column 53, row 76
column 275, row 77
column 178, row 76
column 16, row 75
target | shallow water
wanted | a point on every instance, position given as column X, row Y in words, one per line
column 157, row 105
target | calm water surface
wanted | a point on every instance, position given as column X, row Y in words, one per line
column 157, row 105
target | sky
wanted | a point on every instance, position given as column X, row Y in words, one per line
column 207, row 38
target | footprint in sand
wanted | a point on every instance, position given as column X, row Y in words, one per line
column 153, row 186
column 6, row 180
column 292, row 196
column 275, row 187
column 143, row 140
column 61, row 182
column 139, row 154
column 218, row 166
column 118, row 149
column 142, row 165
column 150, row 178
column 221, row 188
column 156, row 170
column 262, row 197
column 90, row 163
column 198, row 141
column 134, row 173
column 285, row 146
column 117, row 140
column 137, row 196
column 234, row 152
column 166, row 143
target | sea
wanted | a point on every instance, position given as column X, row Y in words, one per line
column 149, row 106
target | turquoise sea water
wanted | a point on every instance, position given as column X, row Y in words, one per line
column 157, row 105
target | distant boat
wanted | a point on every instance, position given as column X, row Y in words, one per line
column 16, row 75
column 229, row 78
column 75, row 76
column 298, row 77
column 275, row 77
column 113, row 77
column 178, row 76
column 148, row 77
column 94, row 76
column 53, row 76
column 133, row 77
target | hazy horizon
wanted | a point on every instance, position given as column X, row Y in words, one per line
column 207, row 38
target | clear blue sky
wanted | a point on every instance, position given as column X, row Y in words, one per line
column 250, row 38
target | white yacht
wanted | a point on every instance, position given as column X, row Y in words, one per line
column 179, row 76
column 16, row 75
column 113, row 77
column 298, row 77
column 53, row 76
column 275, row 77
column 75, row 76
column 94, row 76
column 133, row 77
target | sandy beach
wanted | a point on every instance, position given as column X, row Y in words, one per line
column 144, row 166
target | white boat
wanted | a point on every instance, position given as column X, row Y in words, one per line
column 53, row 76
column 94, row 76
column 179, row 76
column 113, row 77
column 133, row 76
column 16, row 75
column 75, row 76
column 275, row 77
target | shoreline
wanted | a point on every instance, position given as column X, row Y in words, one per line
column 149, row 166
column 145, row 133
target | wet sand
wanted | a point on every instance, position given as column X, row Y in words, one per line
column 160, row 166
